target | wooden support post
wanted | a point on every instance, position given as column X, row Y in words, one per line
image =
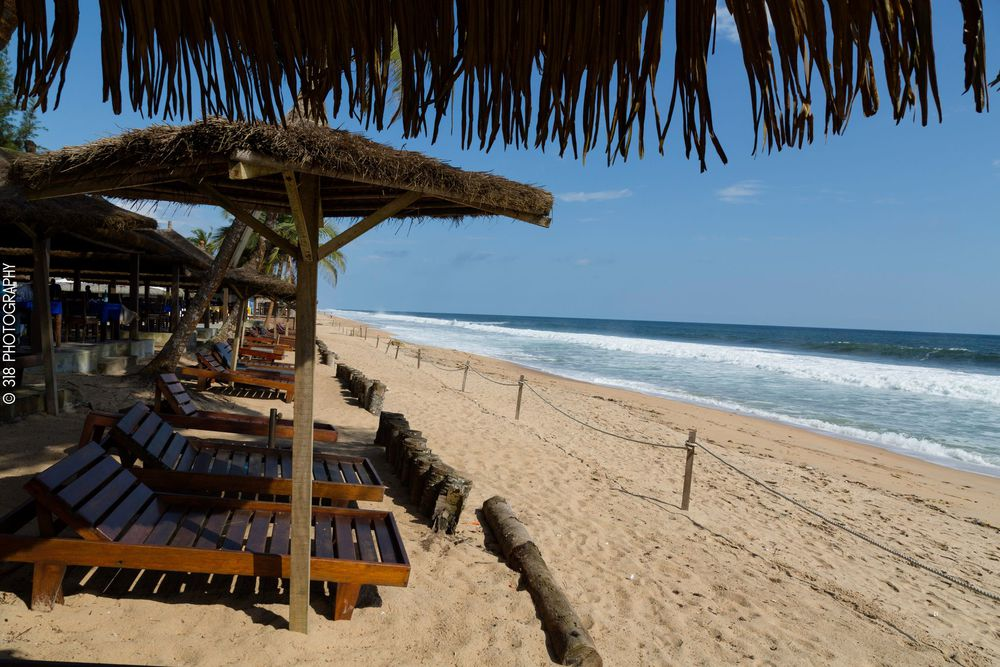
column 133, row 292
column 465, row 374
column 688, row 468
column 377, row 340
column 76, row 284
column 397, row 351
column 241, row 323
column 272, row 426
column 366, row 333
column 302, row 441
column 418, row 357
column 175, row 299
column 520, row 392
column 225, row 303
column 41, row 306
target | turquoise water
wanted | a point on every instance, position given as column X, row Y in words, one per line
column 931, row 395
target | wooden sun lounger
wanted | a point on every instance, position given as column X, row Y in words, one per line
column 211, row 370
column 215, row 466
column 223, row 353
column 270, row 343
column 266, row 354
column 125, row 523
column 175, row 405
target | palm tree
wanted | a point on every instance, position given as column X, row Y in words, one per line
column 206, row 240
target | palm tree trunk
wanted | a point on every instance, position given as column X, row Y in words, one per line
column 228, row 327
column 166, row 360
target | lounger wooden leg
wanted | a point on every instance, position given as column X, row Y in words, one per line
column 46, row 586
column 343, row 603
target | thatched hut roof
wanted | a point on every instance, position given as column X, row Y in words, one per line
column 166, row 163
column 583, row 72
column 82, row 213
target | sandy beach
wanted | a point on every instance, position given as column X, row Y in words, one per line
column 743, row 577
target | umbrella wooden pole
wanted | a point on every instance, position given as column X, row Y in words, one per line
column 307, row 220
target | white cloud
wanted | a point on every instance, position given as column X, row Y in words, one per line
column 725, row 25
column 740, row 193
column 996, row 163
column 584, row 261
column 600, row 195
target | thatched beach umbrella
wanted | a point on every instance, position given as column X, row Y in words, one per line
column 307, row 170
column 583, row 72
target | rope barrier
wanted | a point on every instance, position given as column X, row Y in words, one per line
column 446, row 368
column 502, row 384
column 599, row 430
column 958, row 581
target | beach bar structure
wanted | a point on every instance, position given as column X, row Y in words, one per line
column 87, row 239
column 305, row 169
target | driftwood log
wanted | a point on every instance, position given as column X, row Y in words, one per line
column 570, row 641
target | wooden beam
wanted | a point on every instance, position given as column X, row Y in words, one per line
column 175, row 298
column 246, row 218
column 298, row 192
column 359, row 228
column 302, row 440
column 241, row 322
column 240, row 170
column 41, row 305
column 133, row 288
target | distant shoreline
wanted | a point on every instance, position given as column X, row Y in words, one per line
column 903, row 458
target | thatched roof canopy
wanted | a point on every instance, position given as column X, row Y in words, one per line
column 82, row 214
column 167, row 163
column 582, row 72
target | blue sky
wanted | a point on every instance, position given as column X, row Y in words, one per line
column 886, row 227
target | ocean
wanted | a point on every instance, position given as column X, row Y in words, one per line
column 935, row 396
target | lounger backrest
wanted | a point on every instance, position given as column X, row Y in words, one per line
column 209, row 362
column 153, row 441
column 94, row 494
column 224, row 354
column 175, row 395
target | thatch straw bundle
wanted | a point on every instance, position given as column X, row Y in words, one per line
column 204, row 150
column 505, row 64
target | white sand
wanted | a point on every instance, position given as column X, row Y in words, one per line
column 742, row 577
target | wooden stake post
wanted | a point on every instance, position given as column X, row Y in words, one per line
column 520, row 392
column 688, row 468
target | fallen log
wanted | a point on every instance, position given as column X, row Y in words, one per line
column 570, row 641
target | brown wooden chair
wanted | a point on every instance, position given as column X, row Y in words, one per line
column 127, row 523
column 210, row 370
column 175, row 405
column 224, row 466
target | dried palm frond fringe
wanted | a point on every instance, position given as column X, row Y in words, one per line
column 594, row 63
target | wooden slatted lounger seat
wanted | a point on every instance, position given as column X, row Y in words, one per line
column 196, row 465
column 126, row 524
column 263, row 353
column 269, row 343
column 175, row 405
column 210, row 370
column 223, row 353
